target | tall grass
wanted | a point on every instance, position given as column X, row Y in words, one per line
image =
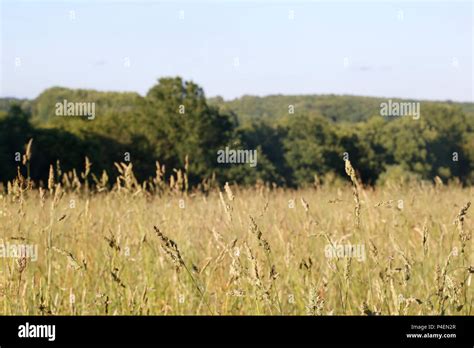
column 248, row 251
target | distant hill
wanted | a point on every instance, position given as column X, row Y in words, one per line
column 5, row 103
column 44, row 104
column 337, row 108
column 43, row 107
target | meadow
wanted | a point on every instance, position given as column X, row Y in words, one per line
column 161, row 248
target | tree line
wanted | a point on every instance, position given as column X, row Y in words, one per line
column 298, row 139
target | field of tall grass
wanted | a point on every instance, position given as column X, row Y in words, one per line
column 160, row 248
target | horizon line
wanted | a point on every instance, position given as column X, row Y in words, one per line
column 255, row 95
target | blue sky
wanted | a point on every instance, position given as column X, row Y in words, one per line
column 420, row 50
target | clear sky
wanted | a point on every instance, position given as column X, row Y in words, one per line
column 421, row 50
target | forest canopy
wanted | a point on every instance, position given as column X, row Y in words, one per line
column 298, row 139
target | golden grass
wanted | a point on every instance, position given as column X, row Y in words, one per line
column 249, row 251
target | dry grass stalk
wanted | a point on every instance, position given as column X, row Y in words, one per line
column 27, row 155
column 72, row 261
column 255, row 230
column 227, row 207
column 464, row 236
column 350, row 171
column 305, row 205
column 316, row 302
column 256, row 278
column 51, row 179
column 228, row 191
column 171, row 249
